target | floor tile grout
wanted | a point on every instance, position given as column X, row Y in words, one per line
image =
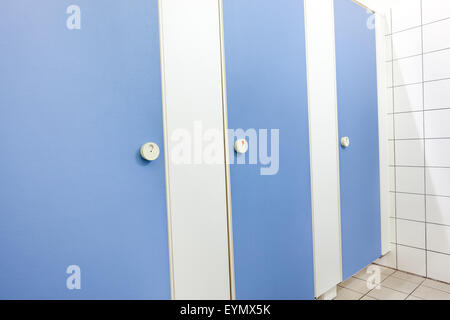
column 416, row 284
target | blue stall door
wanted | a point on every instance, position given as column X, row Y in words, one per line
column 358, row 120
column 80, row 93
column 271, row 198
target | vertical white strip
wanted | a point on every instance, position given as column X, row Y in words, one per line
column 166, row 150
column 193, row 103
column 381, row 30
column 323, row 130
column 227, row 156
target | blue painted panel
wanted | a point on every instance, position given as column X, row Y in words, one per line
column 266, row 89
column 358, row 119
column 75, row 107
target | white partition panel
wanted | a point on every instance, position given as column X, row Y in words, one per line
column 192, row 94
column 319, row 19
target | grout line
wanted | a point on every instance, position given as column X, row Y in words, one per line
column 424, row 285
column 423, row 110
column 422, row 167
column 411, row 28
column 417, row 55
column 422, row 249
column 413, row 83
column 418, row 286
column 420, row 194
column 395, row 155
column 409, row 139
column 411, row 220
column 424, row 135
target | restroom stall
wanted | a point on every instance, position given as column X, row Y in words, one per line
column 270, row 184
column 82, row 214
column 93, row 203
column 357, row 105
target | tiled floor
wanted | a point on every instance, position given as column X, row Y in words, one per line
column 395, row 285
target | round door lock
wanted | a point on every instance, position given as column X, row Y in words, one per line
column 345, row 142
column 241, row 146
column 150, row 151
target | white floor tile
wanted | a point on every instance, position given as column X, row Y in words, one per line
column 367, row 298
column 430, row 294
column 387, row 294
column 409, row 277
column 384, row 273
column 346, row 294
column 399, row 285
column 437, row 285
column 413, row 298
column 355, row 284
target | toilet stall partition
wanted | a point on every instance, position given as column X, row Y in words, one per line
column 82, row 214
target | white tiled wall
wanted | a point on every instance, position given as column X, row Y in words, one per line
column 419, row 113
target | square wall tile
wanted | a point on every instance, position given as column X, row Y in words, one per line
column 437, row 94
column 410, row 125
column 410, row 233
column 438, row 266
column 409, row 71
column 438, row 210
column 435, row 36
column 438, row 238
column 411, row 207
column 438, row 152
column 409, row 152
column 437, row 124
column 438, row 181
column 411, row 260
column 434, row 10
column 408, row 98
column 407, row 43
column 406, row 14
column 436, row 65
column 410, row 180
